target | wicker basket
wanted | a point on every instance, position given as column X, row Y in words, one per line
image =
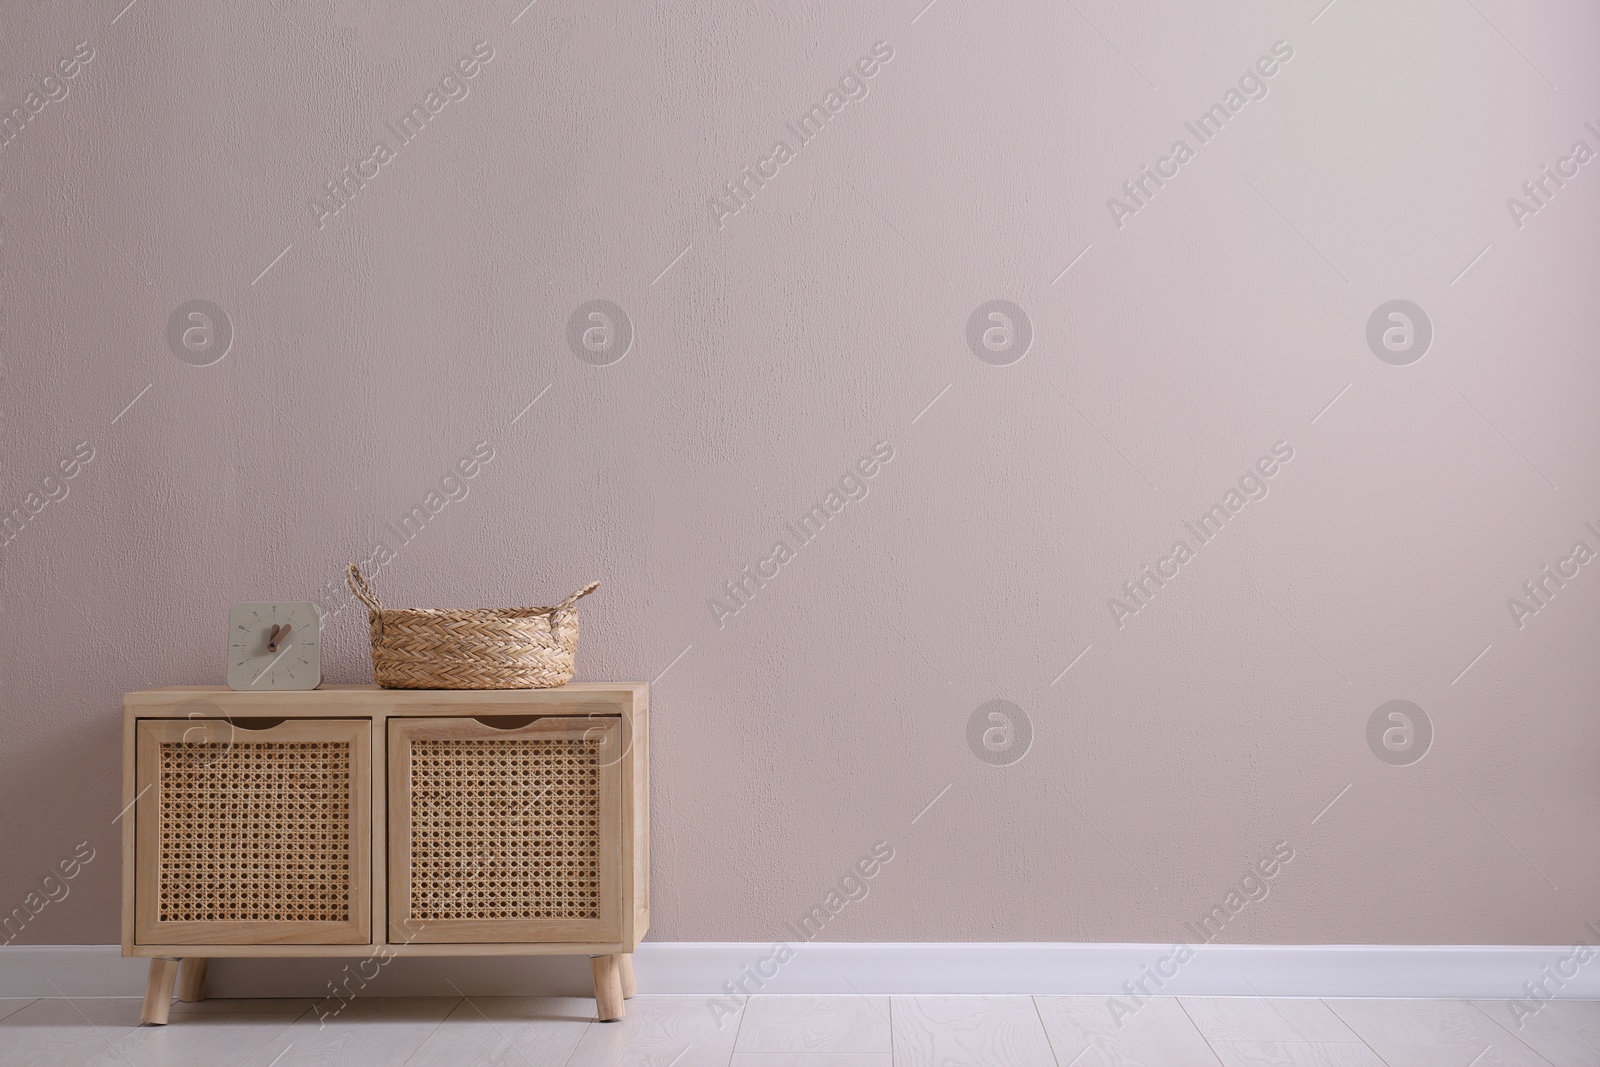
column 480, row 648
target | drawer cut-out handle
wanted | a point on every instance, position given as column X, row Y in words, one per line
column 257, row 723
column 506, row 722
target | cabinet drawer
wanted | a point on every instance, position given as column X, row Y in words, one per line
column 505, row 832
column 253, row 832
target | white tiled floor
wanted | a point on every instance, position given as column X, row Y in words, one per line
column 857, row 1031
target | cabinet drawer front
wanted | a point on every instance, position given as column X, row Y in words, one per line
column 505, row 835
column 253, row 836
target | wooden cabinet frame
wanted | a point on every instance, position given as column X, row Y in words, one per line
column 603, row 733
column 618, row 713
column 226, row 744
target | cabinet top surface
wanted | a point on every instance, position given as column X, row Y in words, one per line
column 372, row 696
column 570, row 687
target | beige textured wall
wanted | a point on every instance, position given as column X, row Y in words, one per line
column 821, row 321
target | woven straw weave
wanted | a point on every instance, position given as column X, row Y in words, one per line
column 478, row 648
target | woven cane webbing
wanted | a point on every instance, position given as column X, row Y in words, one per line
column 505, row 829
column 255, row 831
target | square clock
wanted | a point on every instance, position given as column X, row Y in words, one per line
column 273, row 646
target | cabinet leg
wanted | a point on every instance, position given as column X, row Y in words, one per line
column 158, row 991
column 192, row 979
column 625, row 967
column 607, row 988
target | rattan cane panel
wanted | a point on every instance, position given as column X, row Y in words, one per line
column 255, row 831
column 505, row 829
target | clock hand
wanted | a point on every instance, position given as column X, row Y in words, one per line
column 277, row 632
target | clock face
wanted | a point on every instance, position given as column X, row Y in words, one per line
column 274, row 646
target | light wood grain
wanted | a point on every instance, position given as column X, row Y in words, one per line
column 151, row 929
column 342, row 701
column 1266, row 1019
column 607, row 988
column 367, row 1032
column 1565, row 1032
column 630, row 984
column 980, row 1031
column 636, row 807
column 1085, row 1032
column 529, row 948
column 657, row 1031
column 158, row 991
column 615, row 826
column 378, row 898
column 129, row 822
column 1295, row 1054
column 1433, row 1033
column 507, row 1032
column 192, row 979
column 815, row 1024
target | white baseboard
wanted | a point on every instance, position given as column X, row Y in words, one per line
column 703, row 968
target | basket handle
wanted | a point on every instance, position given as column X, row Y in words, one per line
column 566, row 605
column 359, row 586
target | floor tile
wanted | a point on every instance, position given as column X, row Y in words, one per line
column 1087, row 1032
column 1266, row 1019
column 366, row 1032
column 48, row 1033
column 1433, row 1033
column 663, row 1031
column 815, row 1024
column 214, row 1040
column 1565, row 1032
column 957, row 1031
column 239, row 1006
column 529, row 1031
column 803, row 1031
column 812, row 1059
column 1295, row 1054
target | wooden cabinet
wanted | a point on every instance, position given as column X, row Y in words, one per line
column 363, row 822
